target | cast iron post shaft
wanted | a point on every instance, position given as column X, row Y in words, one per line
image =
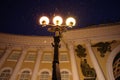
column 56, row 70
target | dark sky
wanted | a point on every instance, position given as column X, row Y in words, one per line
column 21, row 16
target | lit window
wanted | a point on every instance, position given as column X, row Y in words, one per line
column 44, row 75
column 63, row 57
column 5, row 74
column 1, row 52
column 25, row 75
column 64, row 75
column 47, row 57
column 14, row 55
column 31, row 56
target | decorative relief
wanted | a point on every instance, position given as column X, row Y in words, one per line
column 103, row 47
column 87, row 71
column 80, row 51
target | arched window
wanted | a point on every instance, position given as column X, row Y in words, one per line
column 64, row 75
column 5, row 74
column 44, row 75
column 111, row 63
column 25, row 75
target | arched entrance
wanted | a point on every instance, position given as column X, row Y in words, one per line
column 109, row 64
column 116, row 67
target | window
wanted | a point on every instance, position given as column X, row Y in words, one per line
column 5, row 74
column 64, row 75
column 47, row 57
column 31, row 56
column 14, row 55
column 44, row 75
column 119, row 65
column 63, row 57
column 25, row 75
column 1, row 52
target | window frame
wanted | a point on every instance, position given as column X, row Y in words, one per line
column 64, row 57
column 31, row 56
column 3, row 72
column 21, row 74
column 14, row 55
column 47, row 57
column 65, row 76
column 44, row 76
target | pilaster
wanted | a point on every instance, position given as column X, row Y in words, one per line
column 100, row 74
column 6, row 54
column 19, row 64
column 37, row 64
column 73, row 62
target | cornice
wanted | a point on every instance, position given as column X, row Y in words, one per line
column 93, row 34
column 26, row 40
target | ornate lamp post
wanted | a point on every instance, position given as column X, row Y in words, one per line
column 57, row 28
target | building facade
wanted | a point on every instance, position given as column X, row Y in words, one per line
column 85, row 54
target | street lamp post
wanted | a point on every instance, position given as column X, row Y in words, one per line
column 57, row 28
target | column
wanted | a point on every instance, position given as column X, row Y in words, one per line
column 18, row 65
column 100, row 74
column 37, row 64
column 5, row 56
column 73, row 62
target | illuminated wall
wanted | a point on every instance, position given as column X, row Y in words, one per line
column 86, row 54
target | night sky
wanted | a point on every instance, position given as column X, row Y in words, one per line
column 21, row 16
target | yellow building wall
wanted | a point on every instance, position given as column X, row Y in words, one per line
column 103, row 60
column 33, row 44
